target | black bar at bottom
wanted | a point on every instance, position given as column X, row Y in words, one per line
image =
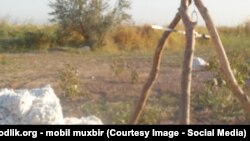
column 143, row 132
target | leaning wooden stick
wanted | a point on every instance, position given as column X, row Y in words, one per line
column 154, row 72
column 186, row 80
column 225, row 65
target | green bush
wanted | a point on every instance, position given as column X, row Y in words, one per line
column 16, row 37
column 38, row 40
column 217, row 105
column 69, row 81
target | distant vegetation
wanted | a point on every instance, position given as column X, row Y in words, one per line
column 28, row 37
column 90, row 19
column 125, row 37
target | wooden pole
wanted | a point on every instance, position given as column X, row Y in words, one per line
column 221, row 54
column 154, row 72
column 186, row 80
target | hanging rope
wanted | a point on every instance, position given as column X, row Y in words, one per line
column 194, row 16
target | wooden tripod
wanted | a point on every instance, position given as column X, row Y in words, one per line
column 188, row 61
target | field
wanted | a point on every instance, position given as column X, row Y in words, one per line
column 108, row 83
column 110, row 90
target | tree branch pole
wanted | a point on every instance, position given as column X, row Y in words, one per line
column 154, row 72
column 221, row 53
column 186, row 80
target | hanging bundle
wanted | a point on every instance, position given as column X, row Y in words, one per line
column 197, row 35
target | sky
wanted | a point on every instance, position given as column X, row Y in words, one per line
column 224, row 12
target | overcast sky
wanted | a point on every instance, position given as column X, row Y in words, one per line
column 224, row 12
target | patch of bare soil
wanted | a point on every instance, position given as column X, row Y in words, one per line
column 97, row 80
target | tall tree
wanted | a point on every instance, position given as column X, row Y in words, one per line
column 90, row 18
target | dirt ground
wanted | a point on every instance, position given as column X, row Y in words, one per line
column 97, row 79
